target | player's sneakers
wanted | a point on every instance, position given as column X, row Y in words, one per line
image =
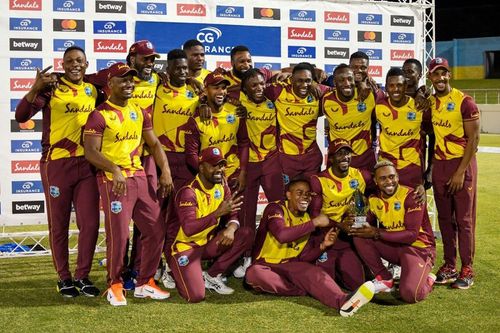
column 241, row 270
column 465, row 279
column 395, row 270
column 167, row 279
column 383, row 286
column 362, row 296
column 446, row 274
column 87, row 288
column 66, row 288
column 128, row 278
column 216, row 284
column 151, row 290
column 116, row 295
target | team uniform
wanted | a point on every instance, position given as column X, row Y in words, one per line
column 401, row 139
column 198, row 236
column 332, row 198
column 297, row 120
column 121, row 131
column 235, row 82
column 67, row 177
column 203, row 74
column 352, row 121
column 284, row 254
column 406, row 240
column 457, row 212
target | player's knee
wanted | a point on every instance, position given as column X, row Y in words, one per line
column 195, row 296
column 253, row 275
column 408, row 295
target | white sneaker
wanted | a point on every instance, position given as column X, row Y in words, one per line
column 167, row 279
column 362, row 296
column 150, row 290
column 216, row 284
column 395, row 270
column 157, row 275
column 383, row 286
column 240, row 271
column 115, row 295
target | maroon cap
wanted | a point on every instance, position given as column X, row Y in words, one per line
column 212, row 156
column 438, row 63
column 143, row 47
column 338, row 144
column 213, row 79
column 119, row 70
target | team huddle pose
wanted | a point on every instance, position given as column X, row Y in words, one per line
column 183, row 153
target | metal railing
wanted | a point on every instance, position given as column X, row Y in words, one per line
column 484, row 96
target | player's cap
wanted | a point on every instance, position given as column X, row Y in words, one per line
column 143, row 47
column 120, row 69
column 212, row 156
column 213, row 79
column 438, row 63
column 338, row 144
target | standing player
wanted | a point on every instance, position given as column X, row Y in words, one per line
column 333, row 189
column 196, row 60
column 113, row 139
column 68, row 179
column 455, row 119
column 399, row 232
column 350, row 118
column 285, row 250
column 199, row 208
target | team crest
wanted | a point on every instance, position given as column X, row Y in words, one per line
column 183, row 261
column 133, row 115
column 323, row 257
column 286, row 179
column 270, row 105
column 361, row 106
column 397, row 205
column 151, row 80
column 189, row 94
column 116, row 207
column 353, row 183
column 309, row 99
column 450, row 106
column 88, row 91
column 230, row 118
column 216, row 151
column 411, row 115
column 217, row 194
column 54, row 191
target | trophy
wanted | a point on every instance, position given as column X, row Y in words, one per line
column 359, row 208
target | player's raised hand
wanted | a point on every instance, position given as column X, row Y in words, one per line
column 321, row 221
column 330, row 237
column 230, row 205
column 43, row 79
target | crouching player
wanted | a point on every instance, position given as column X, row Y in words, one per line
column 402, row 236
column 285, row 251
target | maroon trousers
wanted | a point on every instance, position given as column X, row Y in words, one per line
column 304, row 165
column 69, row 181
column 186, row 265
column 416, row 263
column 457, row 212
column 141, row 205
column 296, row 278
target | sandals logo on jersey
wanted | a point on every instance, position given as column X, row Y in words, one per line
column 450, row 106
column 397, row 205
column 54, row 191
column 302, row 15
column 60, row 45
column 116, row 207
column 337, row 52
column 111, row 7
column 361, row 106
column 370, row 36
column 30, row 186
column 28, row 207
column 188, row 9
column 266, row 13
column 230, row 118
column 69, row 6
column 323, row 257
column 69, row 25
column 25, row 64
column 25, row 146
column 401, row 55
column 183, row 261
column 411, row 116
column 150, row 8
column 402, row 38
column 301, row 52
column 353, row 183
column 25, row 5
column 32, row 125
column 337, row 35
column 110, row 27
column 370, row 19
column 402, row 21
column 230, row 11
column 337, row 17
column 25, row 24
column 217, row 194
column 373, row 54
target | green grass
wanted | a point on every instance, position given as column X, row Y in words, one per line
column 476, row 84
column 29, row 302
column 489, row 140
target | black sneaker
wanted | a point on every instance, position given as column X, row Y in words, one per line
column 87, row 288
column 465, row 279
column 446, row 274
column 66, row 288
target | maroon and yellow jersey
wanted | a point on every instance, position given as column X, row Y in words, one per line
column 121, row 131
column 235, row 82
column 297, row 119
column 403, row 220
column 448, row 116
column 203, row 74
column 350, row 120
column 400, row 136
column 261, row 128
column 172, row 109
column 333, row 194
column 195, row 207
column 65, row 113
column 145, row 92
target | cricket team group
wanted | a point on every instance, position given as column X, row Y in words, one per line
column 182, row 154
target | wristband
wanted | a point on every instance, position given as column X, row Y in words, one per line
column 233, row 221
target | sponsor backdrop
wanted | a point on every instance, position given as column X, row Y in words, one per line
column 279, row 33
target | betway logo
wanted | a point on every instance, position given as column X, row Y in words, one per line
column 21, row 84
column 340, row 53
column 191, row 9
column 111, row 7
column 25, row 44
column 25, row 5
column 402, row 54
column 302, row 33
column 25, row 166
column 406, row 21
column 110, row 45
column 337, row 17
column 27, row 207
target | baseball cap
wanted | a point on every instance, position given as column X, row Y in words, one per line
column 213, row 79
column 338, row 144
column 143, row 47
column 120, row 69
column 438, row 63
column 212, row 156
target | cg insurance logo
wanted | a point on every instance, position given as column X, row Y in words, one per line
column 209, row 35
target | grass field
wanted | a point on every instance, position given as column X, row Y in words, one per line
column 29, row 302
